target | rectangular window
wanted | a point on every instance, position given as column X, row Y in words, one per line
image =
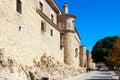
column 43, row 27
column 51, row 32
column 1, row 54
column 41, row 6
column 76, row 52
column 61, row 41
column 18, row 6
column 52, row 17
column 20, row 28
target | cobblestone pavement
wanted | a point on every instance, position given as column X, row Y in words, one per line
column 96, row 75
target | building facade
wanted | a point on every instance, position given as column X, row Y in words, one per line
column 30, row 28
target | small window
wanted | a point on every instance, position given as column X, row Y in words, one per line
column 18, row 6
column 51, row 32
column 43, row 27
column 1, row 52
column 61, row 41
column 52, row 17
column 73, row 21
column 20, row 28
column 41, row 6
column 76, row 52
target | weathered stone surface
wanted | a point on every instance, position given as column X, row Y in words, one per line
column 21, row 44
column 83, row 56
column 71, row 39
column 48, row 67
column 90, row 63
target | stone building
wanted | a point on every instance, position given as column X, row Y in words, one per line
column 30, row 28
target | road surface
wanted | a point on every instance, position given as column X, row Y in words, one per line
column 96, row 75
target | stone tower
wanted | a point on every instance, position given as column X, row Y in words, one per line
column 90, row 63
column 66, row 23
column 89, row 59
column 83, row 56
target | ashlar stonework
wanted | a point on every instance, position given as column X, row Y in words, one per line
column 37, row 38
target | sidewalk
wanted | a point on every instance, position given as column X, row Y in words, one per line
column 101, row 75
column 79, row 77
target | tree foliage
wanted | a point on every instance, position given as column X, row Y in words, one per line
column 102, row 48
column 114, row 54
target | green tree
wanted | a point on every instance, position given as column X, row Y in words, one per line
column 102, row 48
column 114, row 54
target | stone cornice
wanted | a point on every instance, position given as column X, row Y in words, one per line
column 66, row 15
column 73, row 31
column 47, row 19
column 82, row 46
column 54, row 6
column 77, row 33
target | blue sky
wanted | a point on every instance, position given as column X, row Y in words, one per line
column 95, row 20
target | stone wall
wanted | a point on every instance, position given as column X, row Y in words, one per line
column 89, row 60
column 83, row 57
column 47, row 66
column 21, row 35
column 90, row 63
column 47, row 10
column 23, row 43
column 71, row 55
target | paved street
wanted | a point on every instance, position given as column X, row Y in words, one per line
column 94, row 75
